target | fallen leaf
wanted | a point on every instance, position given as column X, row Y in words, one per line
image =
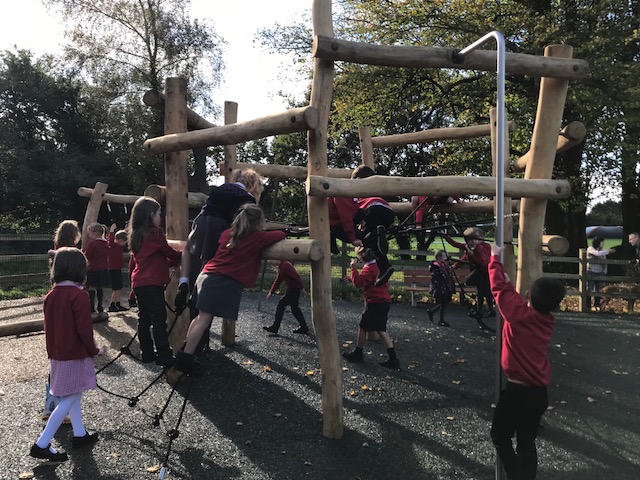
column 345, row 345
column 607, row 392
column 446, row 434
column 591, row 399
column 296, row 368
column 1, row 393
column 26, row 475
column 345, row 369
column 307, row 462
column 247, row 362
column 365, row 445
column 115, row 455
column 154, row 469
column 310, row 372
column 456, row 382
column 563, row 402
column 460, row 361
column 550, row 407
column 352, row 393
column 451, row 418
column 267, row 368
column 277, row 415
column 239, row 424
column 364, row 387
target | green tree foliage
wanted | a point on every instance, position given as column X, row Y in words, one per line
column 49, row 142
column 605, row 213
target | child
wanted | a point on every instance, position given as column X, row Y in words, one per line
column 442, row 286
column 97, row 267
column 70, row 348
column 152, row 257
column 527, row 330
column 294, row 286
column 220, row 285
column 377, row 303
column 477, row 254
column 116, row 242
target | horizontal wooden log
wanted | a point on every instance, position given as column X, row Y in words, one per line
column 20, row 328
column 109, row 197
column 437, row 57
column 555, row 244
column 569, row 136
column 480, row 206
column 296, row 250
column 294, row 120
column 380, row 186
column 159, row 192
column 434, row 135
column 155, row 99
column 287, row 171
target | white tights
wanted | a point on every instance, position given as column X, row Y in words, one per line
column 69, row 405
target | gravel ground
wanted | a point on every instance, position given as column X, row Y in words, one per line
column 247, row 421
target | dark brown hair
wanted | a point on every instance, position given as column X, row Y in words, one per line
column 140, row 222
column 67, row 234
column 69, row 265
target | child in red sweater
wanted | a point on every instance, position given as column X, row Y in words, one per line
column 294, row 287
column 152, row 257
column 70, row 346
column 442, row 286
column 97, row 264
column 117, row 241
column 376, row 310
column 223, row 279
column 477, row 253
column 527, row 330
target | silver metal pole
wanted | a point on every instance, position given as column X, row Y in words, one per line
column 499, row 193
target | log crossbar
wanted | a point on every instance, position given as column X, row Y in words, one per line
column 335, row 49
column 319, row 186
column 434, row 135
column 288, row 171
column 480, row 206
column 569, row 136
column 296, row 250
column 290, row 121
column 156, row 99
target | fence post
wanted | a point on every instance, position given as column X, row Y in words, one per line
column 582, row 280
column 343, row 271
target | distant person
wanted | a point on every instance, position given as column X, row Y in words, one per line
column 67, row 235
column 116, row 242
column 527, row 330
column 70, row 347
column 293, row 288
column 634, row 240
column 234, row 267
column 377, row 303
column 443, row 286
column 152, row 257
column 97, row 251
column 596, row 251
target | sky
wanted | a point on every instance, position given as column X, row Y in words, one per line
column 252, row 75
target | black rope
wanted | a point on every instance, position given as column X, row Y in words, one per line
column 175, row 432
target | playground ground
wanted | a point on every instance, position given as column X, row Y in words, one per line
column 256, row 410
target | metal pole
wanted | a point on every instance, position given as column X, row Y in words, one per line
column 499, row 193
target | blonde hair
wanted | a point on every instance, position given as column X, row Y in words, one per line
column 473, row 233
column 67, row 234
column 140, row 222
column 251, row 180
column 249, row 219
column 96, row 228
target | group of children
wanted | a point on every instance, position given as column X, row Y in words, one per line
column 234, row 266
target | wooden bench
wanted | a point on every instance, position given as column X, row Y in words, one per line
column 418, row 280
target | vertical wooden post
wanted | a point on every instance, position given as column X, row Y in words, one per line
column 366, row 146
column 508, row 256
column 321, row 304
column 228, row 328
column 93, row 209
column 176, row 179
column 583, row 284
column 551, row 100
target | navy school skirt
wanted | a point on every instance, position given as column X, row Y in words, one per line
column 218, row 295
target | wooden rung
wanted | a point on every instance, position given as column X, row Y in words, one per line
column 381, row 186
column 294, row 120
column 479, row 206
column 334, row 49
column 288, row 171
column 293, row 250
column 434, row 135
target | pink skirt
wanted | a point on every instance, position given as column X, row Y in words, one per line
column 72, row 376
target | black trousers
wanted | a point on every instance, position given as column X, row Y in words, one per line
column 373, row 216
column 152, row 321
column 518, row 413
column 291, row 298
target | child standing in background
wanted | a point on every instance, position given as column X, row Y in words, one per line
column 528, row 326
column 97, row 265
column 70, row 347
column 151, row 258
column 67, row 235
column 294, row 287
column 442, row 286
column 377, row 303
column 223, row 279
column 117, row 241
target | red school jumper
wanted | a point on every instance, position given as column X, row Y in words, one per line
column 367, row 280
column 115, row 253
column 97, row 253
column 153, row 260
column 289, row 275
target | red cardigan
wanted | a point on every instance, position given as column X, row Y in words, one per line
column 367, row 280
column 114, row 254
column 289, row 275
column 242, row 263
column 525, row 335
column 153, row 260
column 97, row 253
column 342, row 211
column 478, row 258
column 67, row 323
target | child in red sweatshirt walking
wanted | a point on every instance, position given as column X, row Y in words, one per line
column 117, row 241
column 70, row 347
column 377, row 303
column 97, row 252
column 152, row 257
column 527, row 330
column 294, row 287
column 223, row 279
